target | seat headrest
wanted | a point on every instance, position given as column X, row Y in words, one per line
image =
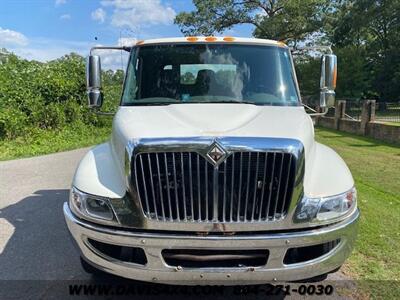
column 205, row 76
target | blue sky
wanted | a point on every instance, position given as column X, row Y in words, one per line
column 47, row 29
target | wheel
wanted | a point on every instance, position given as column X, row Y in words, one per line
column 88, row 268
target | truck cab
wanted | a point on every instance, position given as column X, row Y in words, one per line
column 212, row 174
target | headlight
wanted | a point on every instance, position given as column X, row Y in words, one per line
column 325, row 208
column 91, row 207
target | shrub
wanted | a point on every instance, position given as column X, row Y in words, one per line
column 48, row 95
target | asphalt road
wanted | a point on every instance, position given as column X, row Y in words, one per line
column 34, row 240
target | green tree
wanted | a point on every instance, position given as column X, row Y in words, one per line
column 285, row 20
column 366, row 34
column 307, row 70
column 188, row 78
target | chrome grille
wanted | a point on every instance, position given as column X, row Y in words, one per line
column 185, row 186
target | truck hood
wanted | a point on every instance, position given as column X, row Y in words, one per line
column 326, row 173
column 212, row 120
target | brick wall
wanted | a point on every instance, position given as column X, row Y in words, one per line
column 350, row 126
column 384, row 132
column 367, row 126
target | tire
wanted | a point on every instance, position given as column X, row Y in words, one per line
column 88, row 268
column 314, row 279
column 317, row 278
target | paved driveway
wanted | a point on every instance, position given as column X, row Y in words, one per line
column 34, row 240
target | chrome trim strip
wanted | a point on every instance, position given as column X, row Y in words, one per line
column 270, row 186
column 198, row 186
column 286, row 185
column 175, row 186
column 183, row 188
column 224, row 193
column 152, row 185
column 206, row 187
column 144, row 186
column 215, row 194
column 255, row 188
column 159, row 182
column 191, row 185
column 263, row 185
column 246, row 202
column 279, row 186
column 168, row 191
column 240, row 186
column 232, row 183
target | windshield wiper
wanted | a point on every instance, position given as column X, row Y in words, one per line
column 234, row 101
column 150, row 103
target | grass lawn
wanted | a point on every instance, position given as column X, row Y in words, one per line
column 376, row 170
column 44, row 142
column 390, row 123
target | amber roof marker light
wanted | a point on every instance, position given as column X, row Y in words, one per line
column 192, row 39
column 229, row 39
column 282, row 44
column 211, row 39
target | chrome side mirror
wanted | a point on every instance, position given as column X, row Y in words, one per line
column 93, row 81
column 95, row 98
column 328, row 80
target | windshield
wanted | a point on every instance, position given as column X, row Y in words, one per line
column 210, row 73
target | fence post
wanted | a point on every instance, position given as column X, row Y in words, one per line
column 372, row 111
column 367, row 115
column 316, row 119
column 343, row 109
column 340, row 107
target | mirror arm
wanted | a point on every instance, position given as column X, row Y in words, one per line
column 308, row 107
column 315, row 113
column 124, row 48
column 318, row 114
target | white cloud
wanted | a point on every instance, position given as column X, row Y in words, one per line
column 99, row 15
column 126, row 41
column 115, row 59
column 139, row 13
column 12, row 38
column 65, row 17
column 43, row 49
column 60, row 2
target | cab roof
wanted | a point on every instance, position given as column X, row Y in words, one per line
column 211, row 39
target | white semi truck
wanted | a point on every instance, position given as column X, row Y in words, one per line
column 212, row 174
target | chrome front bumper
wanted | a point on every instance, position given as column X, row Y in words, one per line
column 156, row 270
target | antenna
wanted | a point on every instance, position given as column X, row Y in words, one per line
column 122, row 65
